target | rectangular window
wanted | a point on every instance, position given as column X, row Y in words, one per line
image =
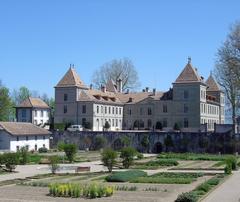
column 120, row 111
column 24, row 113
column 65, row 97
column 105, row 110
column 27, row 138
column 35, row 137
column 129, row 111
column 165, row 123
column 185, row 108
column 101, row 109
column 165, row 108
column 17, row 138
column 116, row 110
column 83, row 121
column 43, row 137
column 116, row 123
column 109, row 110
column 35, row 147
column 113, row 122
column 185, row 124
column 113, row 110
column 97, row 109
column 65, row 109
column 84, row 109
column 149, row 111
column 41, row 113
column 185, row 94
column 141, row 111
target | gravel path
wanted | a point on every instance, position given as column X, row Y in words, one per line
column 228, row 191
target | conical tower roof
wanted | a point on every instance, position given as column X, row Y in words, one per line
column 189, row 74
column 71, row 78
column 212, row 84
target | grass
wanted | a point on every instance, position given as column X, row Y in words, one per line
column 125, row 176
column 193, row 156
column 178, row 175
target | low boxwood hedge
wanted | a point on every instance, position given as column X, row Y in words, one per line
column 162, row 180
column 125, row 176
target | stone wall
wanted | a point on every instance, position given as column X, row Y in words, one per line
column 158, row 141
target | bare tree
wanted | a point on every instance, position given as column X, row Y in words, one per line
column 117, row 69
column 227, row 69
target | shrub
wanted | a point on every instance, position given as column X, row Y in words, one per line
column 228, row 169
column 187, row 197
column 109, row 158
column 127, row 155
column 10, row 160
column 176, row 126
column 70, row 151
column 53, row 163
column 125, row 176
column 232, row 161
column 213, row 181
column 107, row 125
column 203, row 187
column 60, row 146
column 43, row 150
column 59, row 126
column 140, row 156
column 77, row 190
column 23, row 155
column 125, row 141
column 99, row 142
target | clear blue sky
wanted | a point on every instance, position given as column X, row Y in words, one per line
column 39, row 39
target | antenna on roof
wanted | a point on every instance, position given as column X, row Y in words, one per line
column 189, row 60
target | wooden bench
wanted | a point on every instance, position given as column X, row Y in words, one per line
column 82, row 169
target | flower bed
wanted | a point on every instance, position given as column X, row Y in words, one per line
column 125, row 176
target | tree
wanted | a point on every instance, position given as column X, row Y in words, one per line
column 176, row 126
column 168, row 142
column 70, row 151
column 10, row 160
column 227, row 68
column 115, row 70
column 23, row 155
column 99, row 142
column 145, row 142
column 127, row 155
column 109, row 158
column 6, row 105
column 126, row 141
column 53, row 164
column 107, row 125
column 20, row 95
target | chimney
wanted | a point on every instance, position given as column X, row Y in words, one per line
column 154, row 91
column 119, row 84
column 91, row 86
column 103, row 88
column 147, row 88
column 130, row 99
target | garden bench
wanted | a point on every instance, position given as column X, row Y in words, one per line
column 82, row 169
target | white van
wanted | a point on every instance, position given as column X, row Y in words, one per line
column 75, row 128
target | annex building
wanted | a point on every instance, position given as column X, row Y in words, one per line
column 189, row 103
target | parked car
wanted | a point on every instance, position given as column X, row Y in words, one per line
column 75, row 128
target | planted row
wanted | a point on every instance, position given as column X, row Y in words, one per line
column 77, row 190
column 125, row 176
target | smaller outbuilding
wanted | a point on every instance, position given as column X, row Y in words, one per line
column 14, row 135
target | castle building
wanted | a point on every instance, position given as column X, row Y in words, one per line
column 190, row 103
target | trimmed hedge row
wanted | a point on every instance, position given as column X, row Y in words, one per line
column 163, row 180
column 178, row 175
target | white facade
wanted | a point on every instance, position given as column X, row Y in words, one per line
column 103, row 113
column 37, row 116
column 13, row 143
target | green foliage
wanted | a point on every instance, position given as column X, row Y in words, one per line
column 187, row 197
column 127, row 154
column 109, row 158
column 168, row 142
column 140, row 156
column 78, row 190
column 107, row 125
column 125, row 176
column 126, row 141
column 177, row 175
column 99, row 142
column 145, row 142
column 43, row 150
column 155, row 164
column 176, row 126
column 232, row 160
column 59, row 126
column 23, row 155
column 228, row 169
column 70, row 151
column 163, row 180
column 125, row 188
column 53, row 163
column 10, row 160
column 87, row 125
column 6, row 105
column 60, row 146
column 204, row 187
column 193, row 156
